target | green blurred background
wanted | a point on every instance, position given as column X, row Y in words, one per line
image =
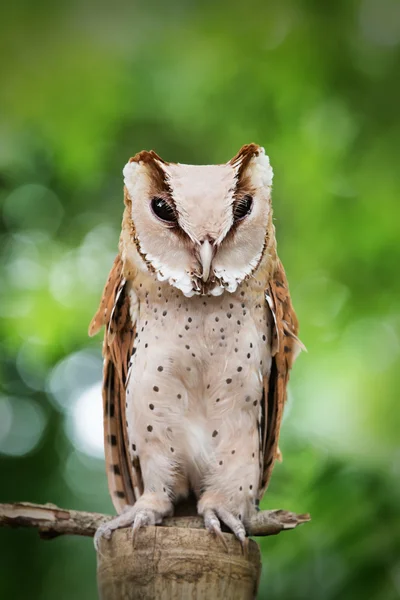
column 83, row 88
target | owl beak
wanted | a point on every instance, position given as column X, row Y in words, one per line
column 206, row 255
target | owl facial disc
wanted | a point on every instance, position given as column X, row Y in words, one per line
column 201, row 228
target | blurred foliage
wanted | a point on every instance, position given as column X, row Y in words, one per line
column 85, row 87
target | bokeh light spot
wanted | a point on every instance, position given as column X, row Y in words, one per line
column 31, row 364
column 73, row 376
column 380, row 21
column 373, row 342
column 33, row 206
column 85, row 425
column 22, row 423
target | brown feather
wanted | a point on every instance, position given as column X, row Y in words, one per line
column 124, row 478
column 285, row 345
column 103, row 313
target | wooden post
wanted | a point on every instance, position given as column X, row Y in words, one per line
column 176, row 560
column 176, row 563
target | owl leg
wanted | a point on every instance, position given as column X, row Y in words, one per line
column 150, row 509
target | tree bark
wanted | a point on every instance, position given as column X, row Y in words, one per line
column 176, row 563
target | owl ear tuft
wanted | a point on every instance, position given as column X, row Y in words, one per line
column 148, row 157
column 244, row 156
column 252, row 167
column 148, row 166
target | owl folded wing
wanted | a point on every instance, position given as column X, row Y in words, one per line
column 285, row 348
column 124, row 476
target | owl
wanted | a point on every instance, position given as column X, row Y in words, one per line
column 200, row 336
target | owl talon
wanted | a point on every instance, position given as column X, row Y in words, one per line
column 212, row 525
column 234, row 524
column 143, row 518
column 212, row 518
column 104, row 531
column 136, row 516
column 245, row 547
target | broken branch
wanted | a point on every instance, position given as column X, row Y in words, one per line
column 52, row 521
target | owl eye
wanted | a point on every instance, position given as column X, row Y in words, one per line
column 163, row 210
column 242, row 208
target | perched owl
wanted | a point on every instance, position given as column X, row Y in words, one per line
column 200, row 335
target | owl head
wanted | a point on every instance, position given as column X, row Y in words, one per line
column 201, row 228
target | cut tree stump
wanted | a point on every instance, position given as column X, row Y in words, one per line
column 178, row 560
column 176, row 563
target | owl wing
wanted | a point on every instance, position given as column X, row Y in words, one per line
column 124, row 477
column 285, row 348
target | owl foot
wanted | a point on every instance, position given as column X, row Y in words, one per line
column 212, row 518
column 143, row 518
column 147, row 511
column 106, row 529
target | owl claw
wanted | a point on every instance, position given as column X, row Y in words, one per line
column 212, row 525
column 245, row 547
column 104, row 531
column 148, row 510
column 132, row 515
column 143, row 518
column 235, row 525
column 212, row 518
